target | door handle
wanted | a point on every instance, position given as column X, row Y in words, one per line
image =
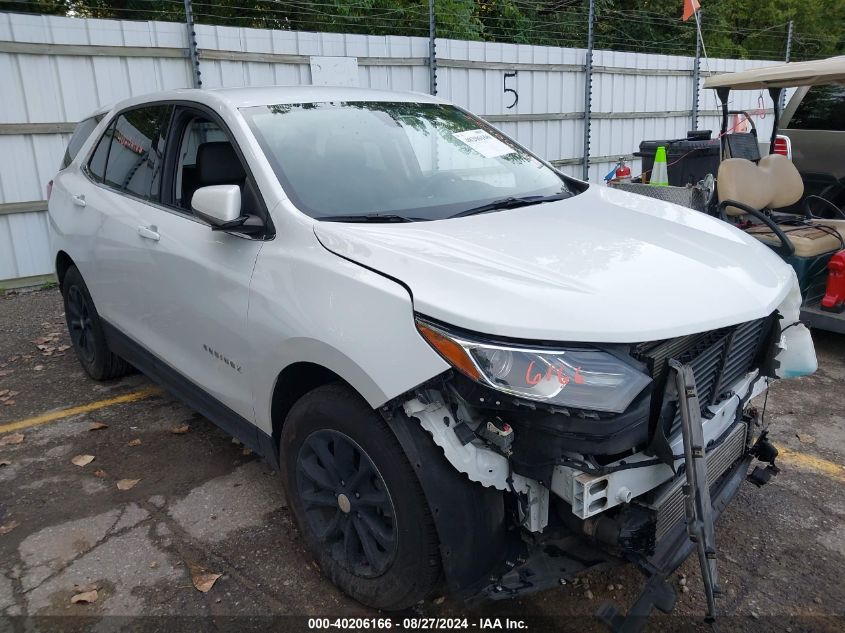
column 79, row 200
column 149, row 233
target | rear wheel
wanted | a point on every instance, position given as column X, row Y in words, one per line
column 86, row 331
column 357, row 501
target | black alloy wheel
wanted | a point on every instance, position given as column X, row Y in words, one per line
column 357, row 500
column 347, row 504
column 79, row 324
column 86, row 330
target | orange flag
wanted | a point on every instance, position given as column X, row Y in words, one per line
column 690, row 8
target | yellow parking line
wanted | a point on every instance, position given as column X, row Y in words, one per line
column 83, row 408
column 803, row 461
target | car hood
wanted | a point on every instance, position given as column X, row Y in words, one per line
column 602, row 266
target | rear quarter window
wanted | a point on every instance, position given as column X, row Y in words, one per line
column 80, row 134
column 97, row 164
column 822, row 108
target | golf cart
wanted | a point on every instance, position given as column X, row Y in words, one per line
column 759, row 194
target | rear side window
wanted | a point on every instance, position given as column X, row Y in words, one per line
column 137, row 148
column 822, row 108
column 97, row 164
column 130, row 153
column 81, row 133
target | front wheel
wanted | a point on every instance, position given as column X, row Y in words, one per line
column 358, row 503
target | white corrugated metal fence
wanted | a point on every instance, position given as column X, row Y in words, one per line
column 56, row 70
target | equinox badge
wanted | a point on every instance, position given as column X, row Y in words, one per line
column 220, row 357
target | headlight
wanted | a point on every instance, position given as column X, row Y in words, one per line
column 581, row 378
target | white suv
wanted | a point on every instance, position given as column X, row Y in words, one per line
column 462, row 361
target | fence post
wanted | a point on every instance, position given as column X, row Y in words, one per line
column 696, row 75
column 588, row 90
column 786, row 58
column 193, row 55
column 432, row 52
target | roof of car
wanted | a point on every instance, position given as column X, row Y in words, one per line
column 267, row 95
column 812, row 73
column 274, row 95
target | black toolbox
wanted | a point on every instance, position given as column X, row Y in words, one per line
column 689, row 159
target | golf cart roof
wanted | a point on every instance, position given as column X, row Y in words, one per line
column 813, row 73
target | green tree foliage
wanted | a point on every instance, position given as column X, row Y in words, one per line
column 738, row 28
column 732, row 28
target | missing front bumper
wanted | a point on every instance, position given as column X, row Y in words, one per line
column 672, row 550
column 668, row 502
column 555, row 561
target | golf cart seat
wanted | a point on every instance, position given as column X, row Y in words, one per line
column 836, row 225
column 748, row 189
column 808, row 241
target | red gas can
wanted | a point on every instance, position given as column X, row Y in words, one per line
column 834, row 297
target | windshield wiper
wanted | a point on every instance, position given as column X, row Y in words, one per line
column 510, row 202
column 367, row 217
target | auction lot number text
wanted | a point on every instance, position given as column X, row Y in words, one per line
column 417, row 624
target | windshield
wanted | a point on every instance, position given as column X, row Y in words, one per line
column 412, row 161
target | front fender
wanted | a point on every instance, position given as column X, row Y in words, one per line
column 309, row 305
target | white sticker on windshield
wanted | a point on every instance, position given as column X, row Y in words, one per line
column 485, row 144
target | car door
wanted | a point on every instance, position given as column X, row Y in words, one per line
column 122, row 176
column 198, row 295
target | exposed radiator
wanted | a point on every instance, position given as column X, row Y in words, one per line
column 719, row 358
column 669, row 502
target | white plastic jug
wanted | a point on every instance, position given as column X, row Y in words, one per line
column 798, row 354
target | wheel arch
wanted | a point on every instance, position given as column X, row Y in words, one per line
column 293, row 382
column 63, row 264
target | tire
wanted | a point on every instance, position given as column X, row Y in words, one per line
column 86, row 331
column 378, row 546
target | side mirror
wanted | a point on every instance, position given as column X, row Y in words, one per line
column 219, row 205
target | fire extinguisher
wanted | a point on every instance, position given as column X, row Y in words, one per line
column 623, row 172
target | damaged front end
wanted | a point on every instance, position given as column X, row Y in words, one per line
column 599, row 455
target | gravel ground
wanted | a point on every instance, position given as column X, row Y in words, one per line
column 202, row 502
